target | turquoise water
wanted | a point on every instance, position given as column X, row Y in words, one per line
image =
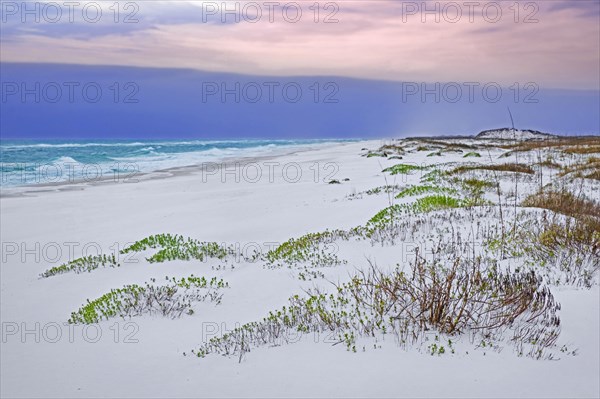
column 25, row 163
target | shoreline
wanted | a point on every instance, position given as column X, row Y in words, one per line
column 29, row 190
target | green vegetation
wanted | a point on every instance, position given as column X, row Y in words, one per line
column 475, row 188
column 177, row 247
column 387, row 217
column 433, row 177
column 383, row 189
column 477, row 184
column 375, row 154
column 458, row 291
column 435, row 203
column 172, row 247
column 469, row 296
column 387, row 189
column 419, row 190
column 402, row 169
column 84, row 264
column 563, row 250
column 316, row 249
column 169, row 300
column 155, row 241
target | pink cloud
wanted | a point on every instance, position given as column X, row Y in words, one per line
column 371, row 40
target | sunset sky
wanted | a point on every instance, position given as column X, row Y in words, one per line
column 372, row 39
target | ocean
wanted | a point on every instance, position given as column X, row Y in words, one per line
column 24, row 163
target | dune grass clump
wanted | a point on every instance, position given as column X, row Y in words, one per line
column 579, row 233
column 434, row 176
column 402, row 169
column 478, row 184
column 506, row 167
column 565, row 250
column 83, row 264
column 584, row 149
column 387, row 218
column 390, row 188
column 387, row 151
column 564, row 202
column 155, row 241
column 549, row 163
column 169, row 300
column 589, row 168
column 475, row 188
column 421, row 205
column 191, row 249
column 465, row 297
column 472, row 154
column 449, row 145
column 567, row 144
column 394, row 148
column 177, row 247
column 387, row 189
column 594, row 175
column 371, row 154
column 566, row 254
column 315, row 249
column 425, row 189
column 172, row 247
column 573, row 234
column 435, row 203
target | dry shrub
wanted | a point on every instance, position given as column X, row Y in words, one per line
column 506, row 167
column 581, row 168
column 568, row 144
column 581, row 233
column 468, row 297
column 568, row 247
column 574, row 234
column 566, row 203
column 593, row 149
column 450, row 144
column 594, row 175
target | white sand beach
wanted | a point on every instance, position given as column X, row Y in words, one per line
column 251, row 204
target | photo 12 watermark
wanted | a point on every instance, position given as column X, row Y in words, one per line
column 452, row 12
column 471, row 92
column 270, row 11
column 268, row 172
column 52, row 252
column 36, row 332
column 68, row 171
column 70, row 92
column 70, row 12
column 78, row 256
column 290, row 92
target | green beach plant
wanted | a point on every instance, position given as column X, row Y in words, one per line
column 83, row 264
column 169, row 300
column 467, row 297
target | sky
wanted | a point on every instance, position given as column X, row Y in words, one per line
column 543, row 45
